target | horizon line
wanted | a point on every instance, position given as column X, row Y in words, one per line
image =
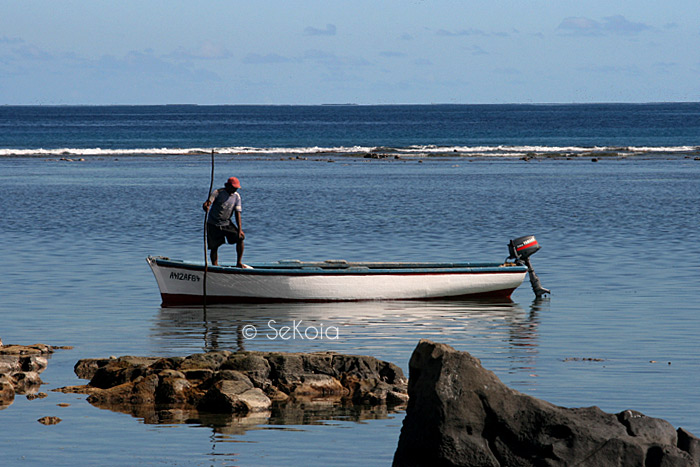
column 351, row 104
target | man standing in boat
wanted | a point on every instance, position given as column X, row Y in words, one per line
column 222, row 204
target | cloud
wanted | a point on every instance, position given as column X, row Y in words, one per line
column 143, row 69
column 610, row 25
column 138, row 62
column 204, row 51
column 27, row 56
column 129, row 68
column 329, row 31
column 612, row 69
column 392, row 54
column 618, row 24
column 272, row 58
column 665, row 67
column 106, row 78
column 320, row 56
column 30, row 52
column 580, row 26
column 326, row 59
column 471, row 32
column 11, row 40
column 332, row 60
column 476, row 50
column 461, row 32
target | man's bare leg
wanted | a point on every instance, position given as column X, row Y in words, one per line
column 239, row 253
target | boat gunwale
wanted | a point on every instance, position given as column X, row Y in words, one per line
column 333, row 268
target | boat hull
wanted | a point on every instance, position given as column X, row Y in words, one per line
column 181, row 283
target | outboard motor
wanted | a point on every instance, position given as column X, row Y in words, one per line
column 520, row 250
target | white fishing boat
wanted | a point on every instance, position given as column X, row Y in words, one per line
column 182, row 283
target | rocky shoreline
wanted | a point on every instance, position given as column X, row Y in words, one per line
column 243, row 384
column 457, row 412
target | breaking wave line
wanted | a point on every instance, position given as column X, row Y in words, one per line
column 359, row 151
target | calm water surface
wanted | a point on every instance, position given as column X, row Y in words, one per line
column 619, row 240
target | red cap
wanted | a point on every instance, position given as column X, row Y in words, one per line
column 233, row 181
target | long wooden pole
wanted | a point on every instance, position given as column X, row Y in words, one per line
column 206, row 218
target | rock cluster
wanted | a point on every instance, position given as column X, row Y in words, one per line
column 49, row 420
column 20, row 366
column 240, row 383
column 461, row 414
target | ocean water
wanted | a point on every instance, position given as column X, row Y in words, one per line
column 627, row 129
column 618, row 239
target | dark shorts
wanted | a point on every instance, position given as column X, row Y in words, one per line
column 217, row 236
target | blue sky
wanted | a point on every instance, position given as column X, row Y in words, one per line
column 365, row 52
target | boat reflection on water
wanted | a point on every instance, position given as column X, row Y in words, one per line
column 500, row 332
column 377, row 328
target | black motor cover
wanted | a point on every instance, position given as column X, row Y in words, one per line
column 523, row 247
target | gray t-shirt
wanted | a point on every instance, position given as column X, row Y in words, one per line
column 223, row 205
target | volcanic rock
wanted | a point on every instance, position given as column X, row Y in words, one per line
column 460, row 414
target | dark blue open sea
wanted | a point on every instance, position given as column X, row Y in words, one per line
column 612, row 193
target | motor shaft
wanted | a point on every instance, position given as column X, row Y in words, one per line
column 534, row 280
